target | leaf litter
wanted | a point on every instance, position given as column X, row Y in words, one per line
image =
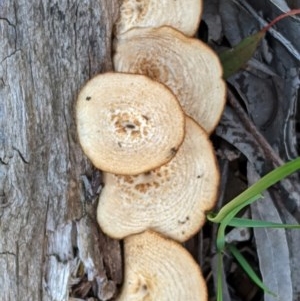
column 258, row 131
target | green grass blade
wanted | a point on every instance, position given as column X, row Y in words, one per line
column 248, row 269
column 265, row 182
column 221, row 237
column 227, row 219
column 219, row 277
column 211, row 216
column 250, row 223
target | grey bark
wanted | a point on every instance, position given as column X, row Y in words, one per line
column 50, row 245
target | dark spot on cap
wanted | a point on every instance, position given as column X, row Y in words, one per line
column 130, row 126
column 88, row 98
column 183, row 222
column 173, row 150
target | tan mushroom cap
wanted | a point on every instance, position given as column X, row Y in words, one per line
column 171, row 200
column 187, row 66
column 182, row 15
column 159, row 269
column 128, row 124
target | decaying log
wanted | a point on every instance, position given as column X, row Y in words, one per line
column 50, row 244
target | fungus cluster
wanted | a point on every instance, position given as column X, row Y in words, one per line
column 147, row 126
column 187, row 66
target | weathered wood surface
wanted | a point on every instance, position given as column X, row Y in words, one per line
column 49, row 239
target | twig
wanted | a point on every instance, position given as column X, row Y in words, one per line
column 250, row 126
column 285, row 42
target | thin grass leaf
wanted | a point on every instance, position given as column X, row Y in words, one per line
column 220, row 243
column 212, row 216
column 265, row 182
column 227, row 219
column 250, row 223
column 219, row 277
column 248, row 269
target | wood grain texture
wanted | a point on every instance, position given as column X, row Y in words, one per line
column 49, row 240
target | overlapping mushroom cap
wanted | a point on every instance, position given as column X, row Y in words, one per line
column 159, row 269
column 128, row 124
column 171, row 199
column 185, row 65
column 182, row 15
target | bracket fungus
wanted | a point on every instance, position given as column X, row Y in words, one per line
column 182, row 15
column 128, row 124
column 186, row 65
column 171, row 199
column 159, row 269
column 147, row 128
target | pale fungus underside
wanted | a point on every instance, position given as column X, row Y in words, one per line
column 171, row 199
column 159, row 269
column 128, row 124
column 182, row 15
column 186, row 65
